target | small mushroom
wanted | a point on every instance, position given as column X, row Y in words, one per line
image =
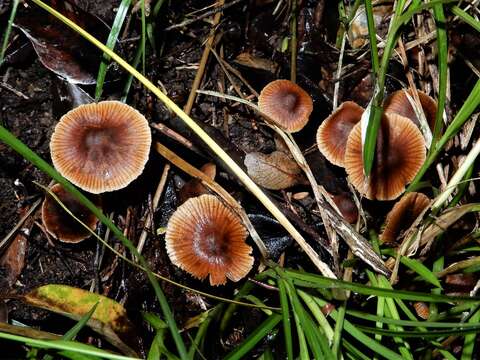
column 101, row 147
column 347, row 207
column 403, row 214
column 205, row 238
column 400, row 153
column 194, row 187
column 332, row 135
column 61, row 224
column 399, row 103
column 286, row 104
column 275, row 171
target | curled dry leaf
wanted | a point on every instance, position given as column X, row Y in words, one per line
column 255, row 62
column 109, row 319
column 60, row 49
column 275, row 171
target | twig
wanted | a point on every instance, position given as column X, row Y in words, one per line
column 203, row 62
column 203, row 16
column 156, row 199
column 7, row 237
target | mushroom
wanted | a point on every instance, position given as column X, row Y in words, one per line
column 205, row 238
column 403, row 214
column 399, row 103
column 286, row 104
column 60, row 224
column 101, row 147
column 347, row 207
column 275, row 171
column 400, row 152
column 332, row 135
column 194, row 187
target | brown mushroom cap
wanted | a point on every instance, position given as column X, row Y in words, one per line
column 332, row 135
column 403, row 214
column 398, row 103
column 205, row 238
column 400, row 152
column 62, row 225
column 101, row 147
column 286, row 104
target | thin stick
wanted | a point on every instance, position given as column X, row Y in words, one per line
column 204, row 15
column 203, row 62
column 156, row 199
column 7, row 237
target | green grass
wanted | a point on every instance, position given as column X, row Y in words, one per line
column 8, row 30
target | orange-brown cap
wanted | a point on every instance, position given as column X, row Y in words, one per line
column 403, row 214
column 205, row 238
column 101, row 147
column 400, row 152
column 398, row 103
column 332, row 135
column 62, row 225
column 286, row 104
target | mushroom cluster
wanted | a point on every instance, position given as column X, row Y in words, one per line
column 99, row 147
column 400, row 149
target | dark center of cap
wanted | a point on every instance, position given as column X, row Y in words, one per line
column 211, row 242
column 290, row 101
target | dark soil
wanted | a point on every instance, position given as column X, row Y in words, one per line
column 35, row 100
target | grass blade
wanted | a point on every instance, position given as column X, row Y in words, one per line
column 111, row 41
column 442, row 48
column 8, row 30
column 316, row 281
column 469, row 343
column 361, row 337
column 287, row 326
column 259, row 333
column 467, row 18
column 467, row 109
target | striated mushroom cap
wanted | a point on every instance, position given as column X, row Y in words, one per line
column 286, row 104
column 400, row 153
column 332, row 135
column 60, row 224
column 205, row 238
column 101, row 147
column 403, row 214
column 398, row 103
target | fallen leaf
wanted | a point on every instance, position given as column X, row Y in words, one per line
column 109, row 319
column 60, row 49
column 275, row 171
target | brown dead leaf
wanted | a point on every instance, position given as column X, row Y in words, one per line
column 275, row 171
